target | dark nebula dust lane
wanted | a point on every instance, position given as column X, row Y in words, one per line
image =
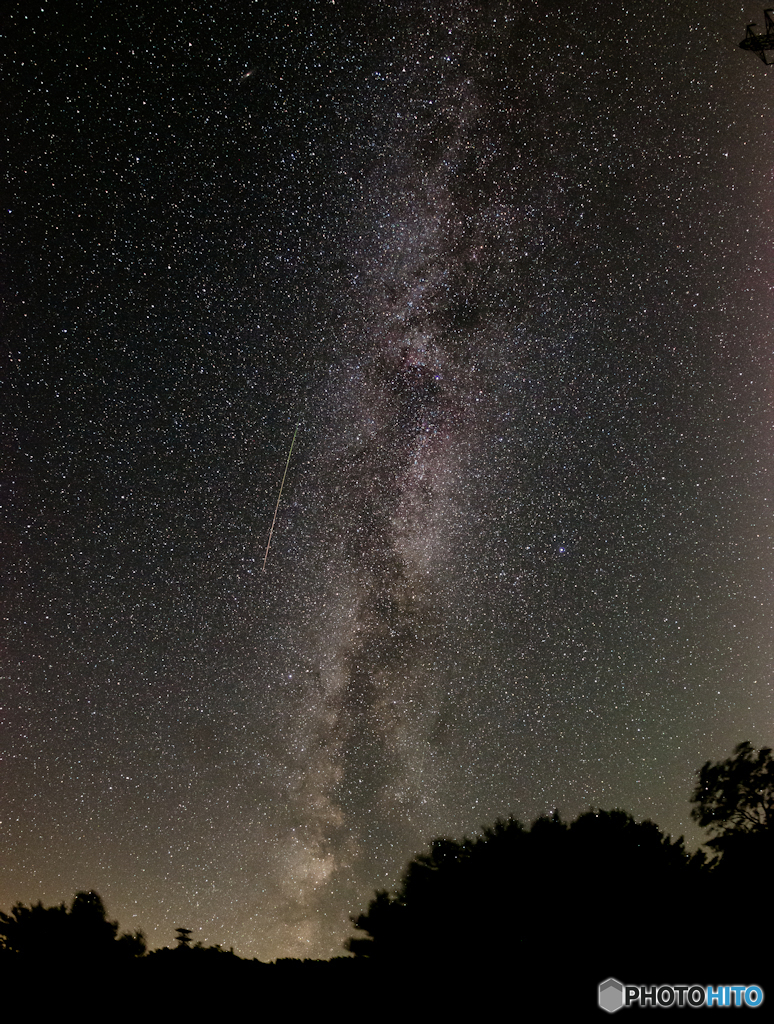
column 503, row 273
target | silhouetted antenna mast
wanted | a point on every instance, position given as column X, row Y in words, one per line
column 761, row 43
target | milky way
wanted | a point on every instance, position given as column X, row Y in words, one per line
column 503, row 269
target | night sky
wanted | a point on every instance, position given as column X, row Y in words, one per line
column 508, row 268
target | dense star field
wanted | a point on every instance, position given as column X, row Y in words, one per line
column 507, row 267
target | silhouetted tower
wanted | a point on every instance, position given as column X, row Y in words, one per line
column 761, row 43
column 183, row 936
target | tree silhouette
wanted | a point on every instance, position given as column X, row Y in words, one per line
column 519, row 899
column 34, row 931
column 734, row 800
column 52, row 934
column 736, row 796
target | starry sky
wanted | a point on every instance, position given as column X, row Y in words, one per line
column 507, row 269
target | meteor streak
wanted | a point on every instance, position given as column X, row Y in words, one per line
column 279, row 496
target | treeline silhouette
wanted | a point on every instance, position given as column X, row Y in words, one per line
column 554, row 908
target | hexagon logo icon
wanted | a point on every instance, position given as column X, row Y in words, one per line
column 611, row 997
